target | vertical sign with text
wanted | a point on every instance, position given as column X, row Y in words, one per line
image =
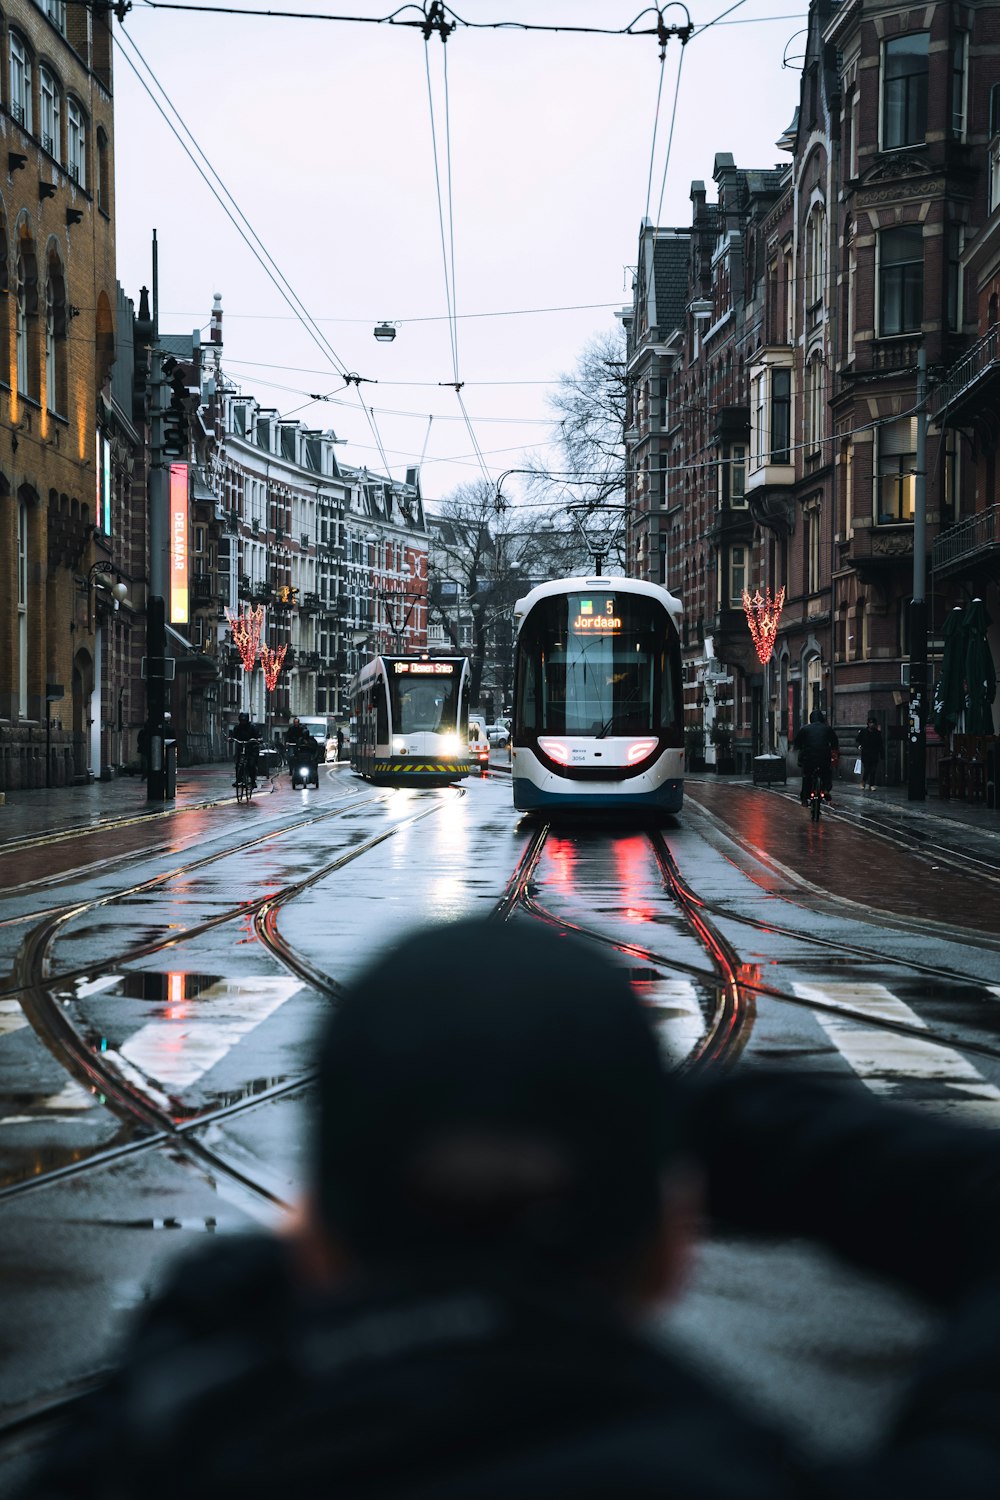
column 178, row 503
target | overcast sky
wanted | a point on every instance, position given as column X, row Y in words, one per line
column 321, row 132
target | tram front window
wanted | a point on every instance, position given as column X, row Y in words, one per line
column 596, row 666
column 423, row 704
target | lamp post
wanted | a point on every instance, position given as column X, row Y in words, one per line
column 95, row 580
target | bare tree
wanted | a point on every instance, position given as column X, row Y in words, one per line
column 590, row 408
column 481, row 560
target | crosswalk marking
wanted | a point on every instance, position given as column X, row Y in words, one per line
column 192, row 1036
column 890, row 1063
column 12, row 1017
column 678, row 1017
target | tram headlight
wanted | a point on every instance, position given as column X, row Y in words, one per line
column 399, row 746
column 450, row 744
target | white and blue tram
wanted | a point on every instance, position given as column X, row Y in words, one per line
column 410, row 719
column 598, row 704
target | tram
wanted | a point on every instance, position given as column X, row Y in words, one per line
column 411, row 719
column 598, row 705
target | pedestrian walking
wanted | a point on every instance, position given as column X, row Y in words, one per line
column 871, row 749
column 340, row 743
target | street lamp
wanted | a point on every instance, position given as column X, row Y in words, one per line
column 118, row 590
column 385, row 332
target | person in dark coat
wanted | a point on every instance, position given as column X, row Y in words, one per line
column 502, row 1186
column 871, row 749
column 817, row 744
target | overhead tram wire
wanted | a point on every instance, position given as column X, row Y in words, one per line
column 432, row 16
column 231, row 209
column 246, row 231
column 448, row 247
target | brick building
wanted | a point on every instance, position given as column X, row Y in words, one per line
column 811, row 290
column 64, row 464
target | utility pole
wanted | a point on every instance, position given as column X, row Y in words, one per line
column 917, row 758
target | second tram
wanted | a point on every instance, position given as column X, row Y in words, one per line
column 598, row 703
column 411, row 719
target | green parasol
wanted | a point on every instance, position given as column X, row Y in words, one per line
column 949, row 691
column 980, row 673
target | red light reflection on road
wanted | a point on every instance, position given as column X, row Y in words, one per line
column 632, row 875
column 562, row 856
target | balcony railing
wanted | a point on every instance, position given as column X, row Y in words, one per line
column 979, row 534
column 966, row 371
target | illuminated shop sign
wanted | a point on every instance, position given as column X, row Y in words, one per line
column 178, row 505
column 597, row 617
column 424, row 668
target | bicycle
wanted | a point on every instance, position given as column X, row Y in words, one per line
column 816, row 794
column 245, row 782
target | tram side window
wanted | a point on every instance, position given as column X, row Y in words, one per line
column 381, row 714
column 528, row 692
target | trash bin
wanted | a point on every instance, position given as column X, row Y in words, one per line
column 169, row 769
column 769, row 768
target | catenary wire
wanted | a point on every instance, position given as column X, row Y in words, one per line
column 247, row 233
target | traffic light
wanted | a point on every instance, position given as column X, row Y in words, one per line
column 184, row 395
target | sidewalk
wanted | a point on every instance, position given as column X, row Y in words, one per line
column 33, row 813
column 969, row 829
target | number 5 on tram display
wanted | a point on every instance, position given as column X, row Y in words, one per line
column 598, row 704
column 411, row 719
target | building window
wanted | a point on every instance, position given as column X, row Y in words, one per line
column 48, row 96
column 812, row 558
column 814, row 403
column 771, row 434
column 904, row 91
column 738, row 474
column 781, row 416
column 901, row 280
column 20, row 82
column 896, row 448
column 954, row 244
column 103, row 172
column 27, row 353
column 56, row 12
column 76, row 143
column 22, row 610
column 959, row 96
column 737, row 574
column 816, row 251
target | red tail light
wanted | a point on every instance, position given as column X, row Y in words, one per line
column 640, row 750
column 556, row 750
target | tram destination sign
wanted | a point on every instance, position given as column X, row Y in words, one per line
column 596, row 617
column 424, row 668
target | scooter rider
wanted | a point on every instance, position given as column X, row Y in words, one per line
column 305, row 752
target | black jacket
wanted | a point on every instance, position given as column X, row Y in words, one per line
column 815, row 744
column 870, row 746
column 240, row 1383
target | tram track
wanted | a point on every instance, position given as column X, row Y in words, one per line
column 727, row 1032
column 145, row 1109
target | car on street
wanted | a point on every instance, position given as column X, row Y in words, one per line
column 498, row 735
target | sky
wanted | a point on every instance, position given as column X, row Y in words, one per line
column 556, row 146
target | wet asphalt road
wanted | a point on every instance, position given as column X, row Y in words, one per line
column 155, row 961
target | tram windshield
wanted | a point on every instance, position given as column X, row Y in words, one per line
column 598, row 665
column 423, row 696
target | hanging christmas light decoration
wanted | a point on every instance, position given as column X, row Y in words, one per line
column 271, row 661
column 246, row 628
column 763, row 613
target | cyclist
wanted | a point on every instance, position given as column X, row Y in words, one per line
column 816, row 744
column 246, row 740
